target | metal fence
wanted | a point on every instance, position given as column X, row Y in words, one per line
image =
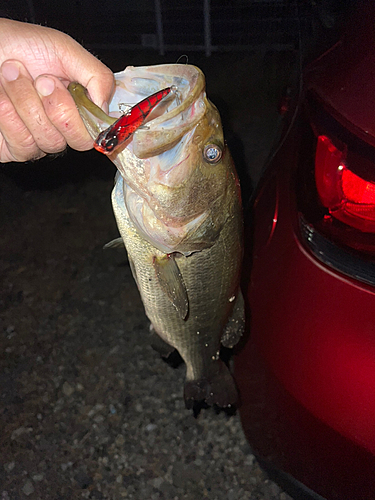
column 172, row 25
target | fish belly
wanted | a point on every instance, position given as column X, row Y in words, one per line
column 211, row 278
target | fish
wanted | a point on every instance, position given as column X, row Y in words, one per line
column 177, row 205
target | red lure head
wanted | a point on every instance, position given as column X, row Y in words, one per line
column 106, row 141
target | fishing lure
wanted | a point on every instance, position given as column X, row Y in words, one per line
column 115, row 135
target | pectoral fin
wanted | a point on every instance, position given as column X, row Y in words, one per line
column 171, row 282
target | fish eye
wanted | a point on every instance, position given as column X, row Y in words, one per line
column 212, row 153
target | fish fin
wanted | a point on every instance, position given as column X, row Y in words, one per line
column 116, row 243
column 171, row 282
column 159, row 345
column 167, row 352
column 235, row 326
column 217, row 389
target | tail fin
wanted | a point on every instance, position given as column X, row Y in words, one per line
column 217, row 388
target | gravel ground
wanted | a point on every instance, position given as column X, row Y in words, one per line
column 87, row 408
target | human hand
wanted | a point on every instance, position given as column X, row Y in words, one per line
column 37, row 113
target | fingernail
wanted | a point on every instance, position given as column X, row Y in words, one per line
column 44, row 85
column 10, row 71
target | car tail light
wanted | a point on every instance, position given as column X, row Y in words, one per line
column 336, row 190
column 348, row 197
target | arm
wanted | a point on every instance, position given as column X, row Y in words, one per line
column 37, row 113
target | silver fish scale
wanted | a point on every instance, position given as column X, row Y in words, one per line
column 211, row 279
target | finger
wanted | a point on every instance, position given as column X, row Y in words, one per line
column 11, row 127
column 61, row 110
column 17, row 143
column 38, row 129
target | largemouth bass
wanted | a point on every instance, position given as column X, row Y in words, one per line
column 178, row 209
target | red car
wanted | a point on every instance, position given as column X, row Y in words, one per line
column 307, row 372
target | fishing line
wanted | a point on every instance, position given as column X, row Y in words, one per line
column 183, row 55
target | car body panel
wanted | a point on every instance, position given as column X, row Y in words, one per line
column 307, row 373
